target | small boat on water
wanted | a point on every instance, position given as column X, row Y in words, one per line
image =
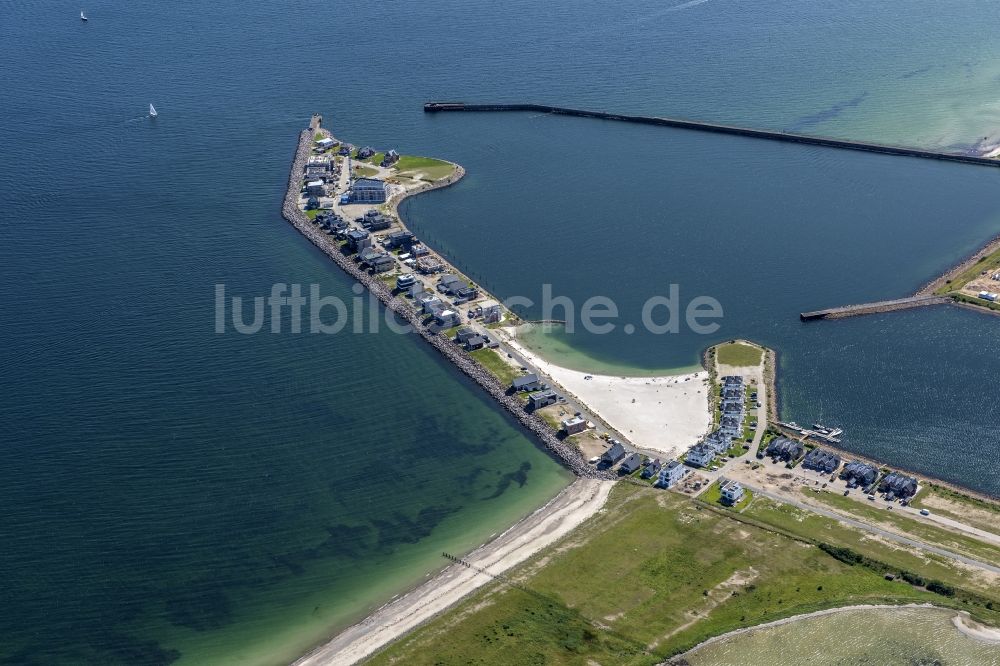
column 152, row 111
column 83, row 17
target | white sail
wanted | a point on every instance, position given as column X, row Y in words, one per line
column 152, row 111
column 82, row 17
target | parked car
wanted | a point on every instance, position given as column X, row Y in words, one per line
column 925, row 512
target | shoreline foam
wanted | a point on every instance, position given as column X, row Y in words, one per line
column 581, row 500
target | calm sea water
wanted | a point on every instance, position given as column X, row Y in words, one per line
column 172, row 493
column 769, row 230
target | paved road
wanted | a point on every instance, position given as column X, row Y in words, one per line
column 879, row 531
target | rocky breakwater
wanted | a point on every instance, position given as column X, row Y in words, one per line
column 564, row 452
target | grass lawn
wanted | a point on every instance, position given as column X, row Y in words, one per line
column 927, row 532
column 817, row 528
column 651, row 576
column 311, row 214
column 955, row 505
column 739, row 354
column 549, row 415
column 362, row 171
column 493, row 362
column 765, row 440
column 990, row 262
column 431, row 169
column 963, row 298
column 714, row 496
column 737, row 450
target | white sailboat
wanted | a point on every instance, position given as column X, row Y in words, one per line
column 152, row 111
column 82, row 16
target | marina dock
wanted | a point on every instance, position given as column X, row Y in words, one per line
column 818, row 431
column 718, row 128
column 878, row 306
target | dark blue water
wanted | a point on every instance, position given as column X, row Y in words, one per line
column 769, row 230
column 171, row 493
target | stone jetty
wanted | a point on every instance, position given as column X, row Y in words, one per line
column 907, row 303
column 564, row 452
column 717, row 128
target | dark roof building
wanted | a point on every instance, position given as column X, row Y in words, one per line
column 464, row 294
column 377, row 223
column 782, row 448
column 541, row 399
column 463, row 334
column 357, row 239
column 475, row 342
column 630, row 464
column 390, row 158
column 449, row 284
column 399, row 239
column 822, row 461
column 652, row 469
column 614, row 454
column 859, row 474
column 898, row 485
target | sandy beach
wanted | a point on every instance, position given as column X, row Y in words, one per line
column 663, row 414
column 964, row 623
column 570, row 508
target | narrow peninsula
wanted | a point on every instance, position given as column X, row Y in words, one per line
column 768, row 520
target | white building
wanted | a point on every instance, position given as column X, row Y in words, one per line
column 670, row 474
column 732, row 491
column 574, row 425
column 491, row 312
column 700, row 455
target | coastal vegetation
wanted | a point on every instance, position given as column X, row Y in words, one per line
column 989, row 263
column 424, row 168
column 972, row 300
column 923, row 531
column 492, row 361
column 814, row 528
column 974, row 511
column 739, row 354
column 657, row 573
column 714, row 496
column 362, row 171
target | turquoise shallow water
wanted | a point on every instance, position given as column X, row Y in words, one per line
column 172, row 493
